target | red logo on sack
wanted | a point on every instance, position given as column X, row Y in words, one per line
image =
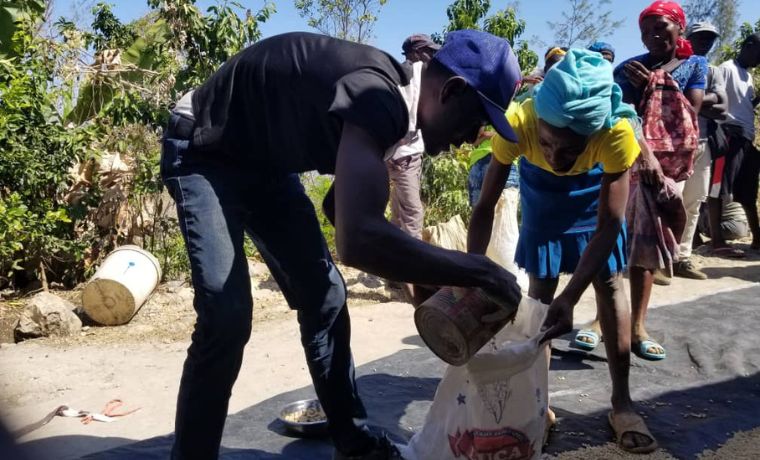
column 501, row 444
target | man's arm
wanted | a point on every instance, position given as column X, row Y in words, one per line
column 715, row 100
column 709, row 100
column 366, row 240
column 611, row 215
column 714, row 105
column 481, row 223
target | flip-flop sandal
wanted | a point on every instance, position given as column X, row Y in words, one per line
column 641, row 350
column 728, row 253
column 588, row 334
column 631, row 423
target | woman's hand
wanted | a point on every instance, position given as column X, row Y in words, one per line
column 533, row 79
column 650, row 171
column 637, row 74
column 559, row 319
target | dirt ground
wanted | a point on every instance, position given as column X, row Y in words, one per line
column 168, row 315
column 141, row 362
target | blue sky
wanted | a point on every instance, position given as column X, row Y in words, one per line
column 400, row 18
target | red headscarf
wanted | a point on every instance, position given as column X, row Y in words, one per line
column 673, row 12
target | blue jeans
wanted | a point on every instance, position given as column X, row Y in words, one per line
column 218, row 202
column 478, row 173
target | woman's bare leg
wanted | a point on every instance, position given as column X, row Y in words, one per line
column 615, row 320
column 641, row 292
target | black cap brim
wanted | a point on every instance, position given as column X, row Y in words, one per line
column 498, row 118
column 431, row 46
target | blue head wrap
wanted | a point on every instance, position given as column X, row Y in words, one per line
column 602, row 46
column 579, row 93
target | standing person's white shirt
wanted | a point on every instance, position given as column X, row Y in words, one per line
column 741, row 94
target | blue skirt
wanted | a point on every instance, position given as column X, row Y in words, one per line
column 559, row 216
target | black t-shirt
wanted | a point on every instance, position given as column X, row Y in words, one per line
column 280, row 104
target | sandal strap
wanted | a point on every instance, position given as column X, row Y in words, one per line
column 646, row 344
column 629, row 423
column 587, row 333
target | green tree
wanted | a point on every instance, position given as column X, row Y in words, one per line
column 472, row 14
column 347, row 19
column 467, row 14
column 699, row 10
column 63, row 112
column 585, row 21
column 731, row 50
column 444, row 177
column 36, row 152
column 14, row 13
column 202, row 43
column 444, row 186
column 505, row 24
column 108, row 31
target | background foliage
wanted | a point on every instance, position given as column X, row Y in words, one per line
column 82, row 107
column 473, row 14
column 81, row 115
column 722, row 13
column 585, row 22
column 444, row 178
column 347, row 19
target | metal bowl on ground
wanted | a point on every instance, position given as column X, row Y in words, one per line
column 305, row 417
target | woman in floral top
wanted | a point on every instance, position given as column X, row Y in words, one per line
column 662, row 25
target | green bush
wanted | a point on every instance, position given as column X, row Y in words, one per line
column 444, row 186
column 151, row 218
column 36, row 153
column 316, row 188
column 66, row 117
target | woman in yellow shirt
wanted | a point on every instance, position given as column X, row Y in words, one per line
column 575, row 148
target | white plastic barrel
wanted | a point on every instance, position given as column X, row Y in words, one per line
column 123, row 282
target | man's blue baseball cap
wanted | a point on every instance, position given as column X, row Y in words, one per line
column 488, row 64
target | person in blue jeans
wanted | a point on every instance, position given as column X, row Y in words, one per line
column 231, row 156
column 478, row 173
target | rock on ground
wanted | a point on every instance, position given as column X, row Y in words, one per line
column 47, row 314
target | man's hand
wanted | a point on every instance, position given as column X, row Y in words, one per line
column 483, row 136
column 504, row 291
column 637, row 73
column 559, row 319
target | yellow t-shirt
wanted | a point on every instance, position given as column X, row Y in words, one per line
column 615, row 148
